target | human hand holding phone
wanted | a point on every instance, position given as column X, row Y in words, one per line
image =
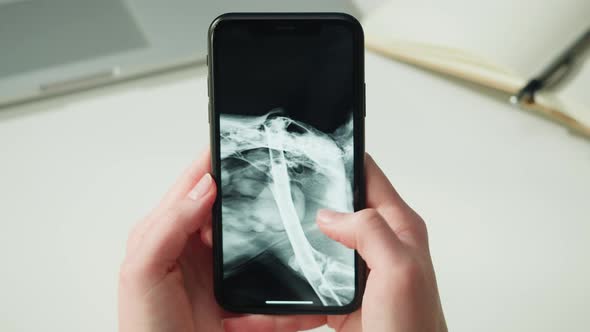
column 166, row 279
column 401, row 292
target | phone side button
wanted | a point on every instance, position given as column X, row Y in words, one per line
column 365, row 100
column 208, row 111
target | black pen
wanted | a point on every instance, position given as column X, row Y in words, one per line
column 554, row 72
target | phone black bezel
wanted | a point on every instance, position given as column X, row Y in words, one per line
column 359, row 153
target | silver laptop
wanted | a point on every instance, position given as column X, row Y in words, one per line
column 50, row 47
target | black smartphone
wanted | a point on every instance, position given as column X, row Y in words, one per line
column 287, row 112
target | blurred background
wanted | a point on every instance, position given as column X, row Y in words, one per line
column 103, row 104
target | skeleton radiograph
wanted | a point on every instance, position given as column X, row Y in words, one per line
column 275, row 174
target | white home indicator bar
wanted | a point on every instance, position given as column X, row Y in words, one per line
column 289, row 302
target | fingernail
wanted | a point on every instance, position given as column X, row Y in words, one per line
column 327, row 216
column 201, row 188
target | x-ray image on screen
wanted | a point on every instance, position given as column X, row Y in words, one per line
column 275, row 174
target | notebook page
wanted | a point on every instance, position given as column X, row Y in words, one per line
column 573, row 95
column 521, row 37
column 450, row 63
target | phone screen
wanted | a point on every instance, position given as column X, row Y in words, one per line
column 286, row 104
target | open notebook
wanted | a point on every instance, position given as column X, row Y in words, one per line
column 499, row 44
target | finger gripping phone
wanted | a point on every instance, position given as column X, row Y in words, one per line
column 287, row 139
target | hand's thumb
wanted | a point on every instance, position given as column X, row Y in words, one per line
column 366, row 231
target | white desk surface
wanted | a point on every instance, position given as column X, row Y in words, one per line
column 506, row 196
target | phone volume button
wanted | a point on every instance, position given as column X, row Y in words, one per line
column 365, row 100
